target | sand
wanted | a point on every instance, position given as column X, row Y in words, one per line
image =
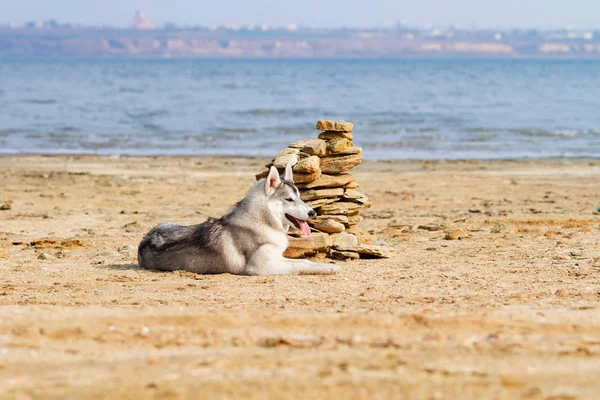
column 512, row 309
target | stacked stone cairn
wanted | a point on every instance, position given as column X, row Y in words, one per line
column 321, row 174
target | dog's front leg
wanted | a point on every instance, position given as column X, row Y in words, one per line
column 267, row 260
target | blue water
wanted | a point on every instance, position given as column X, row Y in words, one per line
column 402, row 109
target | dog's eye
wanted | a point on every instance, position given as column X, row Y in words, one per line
column 289, row 199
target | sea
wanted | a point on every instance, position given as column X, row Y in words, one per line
column 401, row 109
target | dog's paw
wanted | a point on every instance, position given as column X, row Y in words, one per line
column 327, row 269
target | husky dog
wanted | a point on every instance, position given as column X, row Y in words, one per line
column 248, row 240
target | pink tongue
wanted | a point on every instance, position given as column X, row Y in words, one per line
column 304, row 227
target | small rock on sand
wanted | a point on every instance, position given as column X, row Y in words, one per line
column 45, row 256
column 343, row 255
column 456, row 234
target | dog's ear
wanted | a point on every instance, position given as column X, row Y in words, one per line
column 272, row 181
column 289, row 175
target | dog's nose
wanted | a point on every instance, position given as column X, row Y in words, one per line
column 312, row 213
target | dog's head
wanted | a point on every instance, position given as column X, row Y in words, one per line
column 283, row 199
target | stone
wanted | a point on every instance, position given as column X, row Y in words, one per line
column 361, row 234
column 338, row 126
column 340, row 207
column 286, row 156
column 319, row 218
column 373, row 251
column 329, row 226
column 456, row 234
column 309, row 245
column 312, row 147
column 330, row 135
column 339, row 164
column 352, row 185
column 262, row 175
column 350, row 150
column 355, row 195
column 328, row 181
column 343, row 255
column 45, row 256
column 431, row 227
column 319, row 202
column 335, row 146
column 7, row 205
column 307, row 178
column 307, row 165
column 354, row 219
column 307, row 195
column 345, row 242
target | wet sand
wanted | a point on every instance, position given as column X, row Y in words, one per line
column 510, row 310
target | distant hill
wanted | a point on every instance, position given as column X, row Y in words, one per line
column 195, row 43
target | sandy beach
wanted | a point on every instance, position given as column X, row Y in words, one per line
column 511, row 309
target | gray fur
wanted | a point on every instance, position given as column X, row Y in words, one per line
column 248, row 240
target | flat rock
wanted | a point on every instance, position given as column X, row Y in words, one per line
column 45, row 256
column 355, row 195
column 345, row 242
column 312, row 147
column 340, row 207
column 352, row 185
column 307, row 178
column 343, row 255
column 339, row 164
column 319, row 202
column 308, row 195
column 350, row 150
column 320, row 218
column 308, row 165
column 329, row 226
column 373, row 251
column 456, row 234
column 431, row 227
column 261, row 175
column 286, row 156
column 354, row 219
column 335, row 146
column 331, row 135
column 338, row 126
column 309, row 245
column 328, row 181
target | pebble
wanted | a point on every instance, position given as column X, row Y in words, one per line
column 45, row 256
column 456, row 234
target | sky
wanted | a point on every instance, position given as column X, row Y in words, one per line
column 540, row 14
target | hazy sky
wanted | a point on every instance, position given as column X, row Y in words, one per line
column 359, row 13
